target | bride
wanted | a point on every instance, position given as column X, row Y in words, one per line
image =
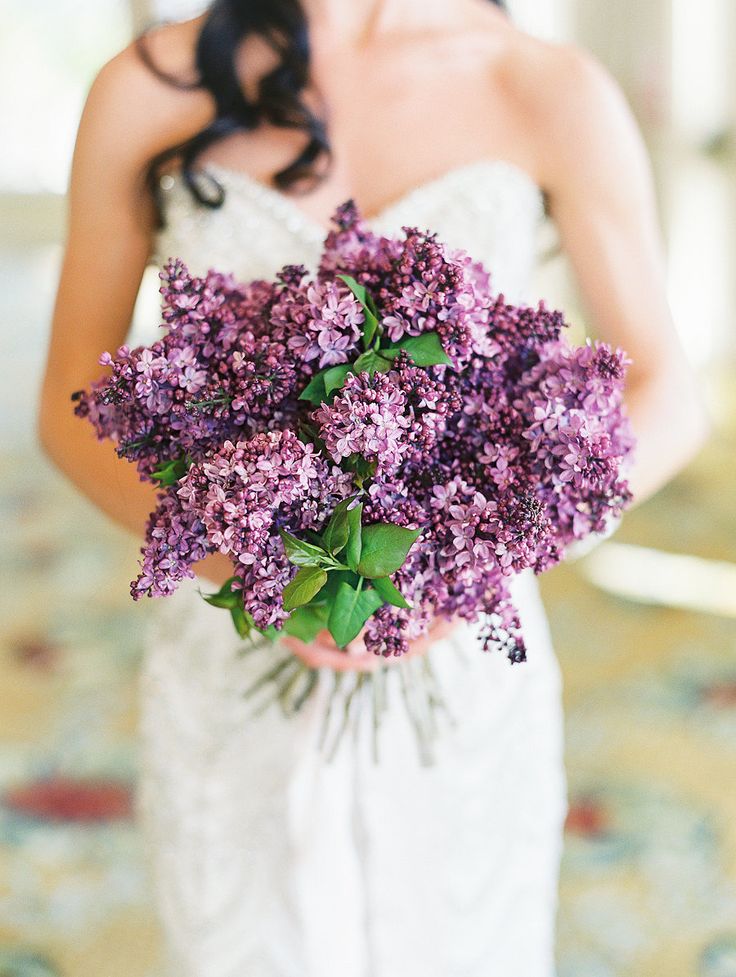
column 228, row 141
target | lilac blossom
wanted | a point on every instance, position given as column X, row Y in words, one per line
column 368, row 418
column 501, row 458
column 249, row 490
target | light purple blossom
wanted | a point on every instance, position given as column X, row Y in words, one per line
column 367, row 418
column 331, row 320
column 501, row 459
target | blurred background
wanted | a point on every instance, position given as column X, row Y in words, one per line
column 645, row 625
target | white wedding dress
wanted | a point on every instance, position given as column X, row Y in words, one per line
column 270, row 861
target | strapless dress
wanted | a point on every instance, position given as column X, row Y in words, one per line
column 269, row 860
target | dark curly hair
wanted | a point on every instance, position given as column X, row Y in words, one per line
column 283, row 25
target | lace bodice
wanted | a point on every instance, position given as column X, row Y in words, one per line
column 491, row 208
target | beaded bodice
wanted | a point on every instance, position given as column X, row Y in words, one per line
column 491, row 208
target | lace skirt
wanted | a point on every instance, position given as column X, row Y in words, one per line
column 268, row 860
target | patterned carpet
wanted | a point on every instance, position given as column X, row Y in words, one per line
column 649, row 874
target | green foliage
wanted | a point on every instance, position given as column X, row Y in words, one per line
column 301, row 553
column 315, row 391
column 170, row 472
column 225, row 596
column 306, row 622
column 334, row 377
column 337, row 532
column 389, row 592
column 351, row 609
column 425, row 350
column 343, row 578
column 331, row 588
column 334, row 579
column 305, row 585
column 354, row 543
column 384, row 549
column 232, row 600
column 243, row 621
column 373, row 361
column 361, row 468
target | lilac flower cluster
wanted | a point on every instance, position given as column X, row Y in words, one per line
column 418, row 283
column 388, row 418
column 215, row 374
column 332, row 323
column 368, row 417
column 408, row 385
column 245, row 492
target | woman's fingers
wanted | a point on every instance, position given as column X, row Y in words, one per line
column 323, row 652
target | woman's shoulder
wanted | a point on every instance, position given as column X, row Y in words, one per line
column 537, row 68
column 556, row 82
column 582, row 131
column 133, row 104
column 565, row 99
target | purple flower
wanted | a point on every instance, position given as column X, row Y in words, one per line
column 248, row 490
column 367, row 418
column 330, row 321
column 502, row 458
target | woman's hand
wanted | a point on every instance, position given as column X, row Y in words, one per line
column 323, row 652
column 215, row 568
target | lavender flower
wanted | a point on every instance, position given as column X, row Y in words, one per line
column 504, row 450
column 249, row 490
column 367, row 418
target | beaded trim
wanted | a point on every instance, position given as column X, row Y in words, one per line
column 297, row 222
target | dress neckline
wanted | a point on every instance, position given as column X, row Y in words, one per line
column 283, row 206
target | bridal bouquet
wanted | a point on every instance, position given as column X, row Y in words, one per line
column 374, row 447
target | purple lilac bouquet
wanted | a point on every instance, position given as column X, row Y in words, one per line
column 383, row 443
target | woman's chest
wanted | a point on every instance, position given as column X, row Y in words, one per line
column 489, row 208
column 396, row 117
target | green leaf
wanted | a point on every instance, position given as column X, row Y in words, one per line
column 336, row 534
column 385, row 547
column 242, row 620
column 363, row 469
column 232, row 600
column 370, row 313
column 425, row 350
column 349, row 612
column 388, row 592
column 373, row 362
column 370, row 328
column 170, row 472
column 301, row 553
column 354, row 544
column 358, row 290
column 315, row 391
column 306, row 622
column 334, row 378
column 326, row 596
column 304, row 586
column 225, row 597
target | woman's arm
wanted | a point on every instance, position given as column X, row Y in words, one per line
column 601, row 196
column 128, row 117
column 109, row 233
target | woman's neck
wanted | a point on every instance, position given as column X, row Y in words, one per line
column 359, row 21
